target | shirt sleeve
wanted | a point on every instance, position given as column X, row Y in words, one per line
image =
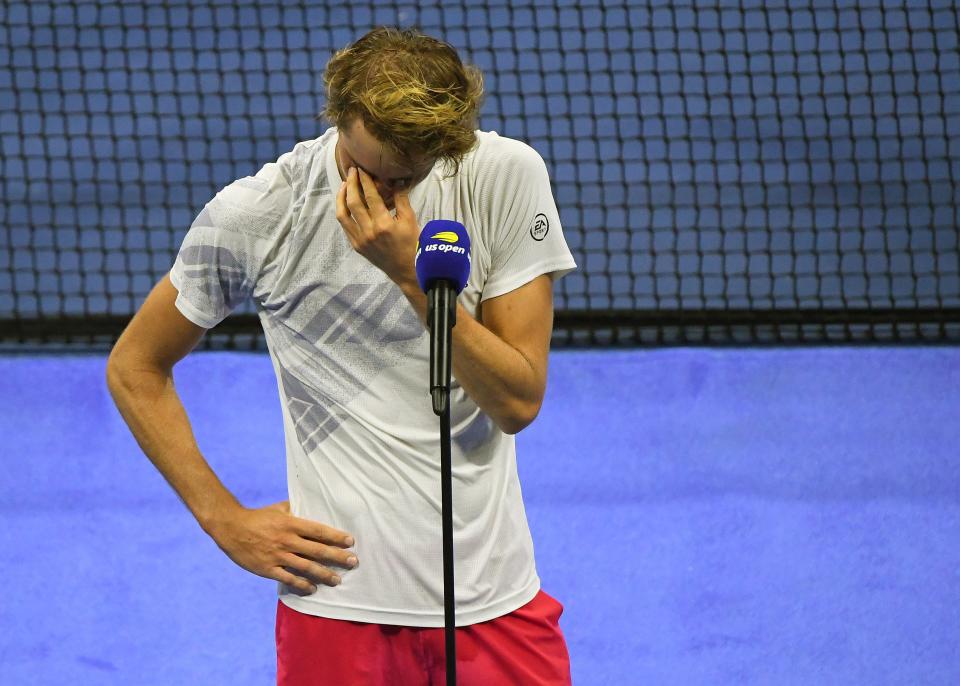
column 527, row 237
column 224, row 255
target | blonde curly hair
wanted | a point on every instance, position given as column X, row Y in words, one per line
column 412, row 92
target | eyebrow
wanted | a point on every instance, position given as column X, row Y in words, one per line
column 394, row 178
column 409, row 174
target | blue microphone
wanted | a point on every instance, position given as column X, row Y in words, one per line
column 443, row 254
column 443, row 267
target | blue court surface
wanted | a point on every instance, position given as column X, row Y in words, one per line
column 784, row 516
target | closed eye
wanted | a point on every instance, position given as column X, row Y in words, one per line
column 392, row 184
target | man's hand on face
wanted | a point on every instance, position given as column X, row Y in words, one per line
column 388, row 241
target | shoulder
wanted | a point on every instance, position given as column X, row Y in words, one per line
column 305, row 160
column 498, row 167
column 273, row 189
column 495, row 154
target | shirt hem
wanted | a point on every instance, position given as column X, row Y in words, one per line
column 407, row 618
column 188, row 309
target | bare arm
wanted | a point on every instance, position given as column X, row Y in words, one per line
column 269, row 541
column 501, row 360
column 140, row 378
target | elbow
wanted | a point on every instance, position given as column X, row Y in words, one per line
column 127, row 373
column 118, row 362
column 113, row 369
column 519, row 417
column 116, row 377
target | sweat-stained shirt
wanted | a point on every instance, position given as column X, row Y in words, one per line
column 352, row 364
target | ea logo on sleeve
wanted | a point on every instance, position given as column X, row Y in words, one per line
column 540, row 227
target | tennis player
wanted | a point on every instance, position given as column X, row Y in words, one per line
column 323, row 241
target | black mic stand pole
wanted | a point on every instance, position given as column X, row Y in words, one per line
column 441, row 317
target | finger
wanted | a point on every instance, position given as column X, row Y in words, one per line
column 322, row 533
column 311, row 570
column 325, row 553
column 282, row 506
column 346, row 220
column 355, row 199
column 298, row 584
column 371, row 195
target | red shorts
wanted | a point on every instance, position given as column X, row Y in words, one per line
column 524, row 647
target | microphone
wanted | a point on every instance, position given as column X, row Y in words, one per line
column 443, row 267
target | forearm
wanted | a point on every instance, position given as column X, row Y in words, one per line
column 149, row 404
column 503, row 382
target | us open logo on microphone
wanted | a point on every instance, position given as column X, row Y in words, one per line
column 443, row 247
column 541, row 225
column 447, row 237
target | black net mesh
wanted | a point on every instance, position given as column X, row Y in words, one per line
column 752, row 172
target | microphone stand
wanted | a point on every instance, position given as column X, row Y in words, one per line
column 441, row 318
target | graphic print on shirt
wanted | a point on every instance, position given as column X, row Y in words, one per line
column 354, row 336
column 231, row 272
column 214, row 271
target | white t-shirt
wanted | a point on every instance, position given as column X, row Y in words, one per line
column 352, row 364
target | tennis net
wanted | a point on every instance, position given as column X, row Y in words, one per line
column 727, row 173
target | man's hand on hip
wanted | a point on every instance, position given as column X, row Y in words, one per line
column 272, row 543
